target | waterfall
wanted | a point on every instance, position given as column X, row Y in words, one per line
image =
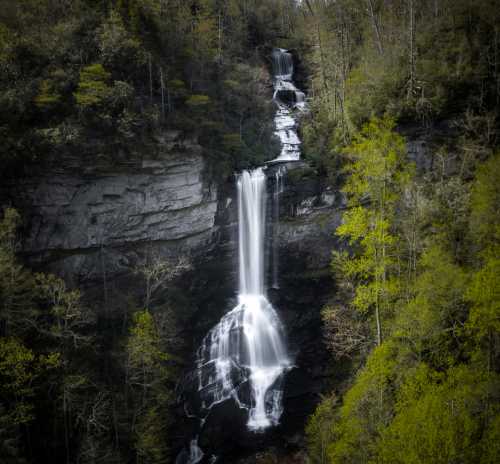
column 193, row 456
column 195, row 452
column 246, row 346
column 278, row 190
column 287, row 98
column 244, row 357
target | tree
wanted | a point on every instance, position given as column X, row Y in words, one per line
column 47, row 97
column 366, row 408
column 320, row 430
column 484, row 288
column 376, row 179
column 70, row 318
column 93, row 86
column 157, row 273
column 147, row 375
column 17, row 287
column 21, row 371
column 437, row 418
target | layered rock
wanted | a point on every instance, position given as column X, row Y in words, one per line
column 75, row 214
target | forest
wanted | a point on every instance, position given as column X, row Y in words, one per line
column 98, row 336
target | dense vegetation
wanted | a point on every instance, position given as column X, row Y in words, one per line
column 416, row 309
column 104, row 77
column 65, row 393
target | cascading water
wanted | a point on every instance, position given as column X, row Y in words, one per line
column 247, row 344
column 244, row 356
column 288, row 98
column 278, row 190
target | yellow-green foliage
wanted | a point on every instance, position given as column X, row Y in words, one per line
column 20, row 368
column 372, row 88
column 197, row 101
column 484, row 220
column 438, row 418
column 430, row 392
column 484, row 293
column 177, row 87
column 149, row 374
column 423, row 325
column 376, row 180
column 484, row 288
column 46, row 97
column 232, row 142
column 490, row 443
column 152, row 443
column 92, row 87
column 320, row 431
column 144, row 343
column 17, row 286
column 366, row 408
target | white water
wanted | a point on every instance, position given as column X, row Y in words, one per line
column 244, row 356
column 195, row 452
column 278, row 190
column 285, row 119
column 246, row 348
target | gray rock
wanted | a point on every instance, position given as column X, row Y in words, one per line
column 77, row 219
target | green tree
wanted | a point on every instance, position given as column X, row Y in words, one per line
column 438, row 418
column 47, row 97
column 484, row 288
column 21, row 373
column 147, row 376
column 366, row 408
column 93, row 86
column 376, row 178
column 320, row 430
column 17, row 287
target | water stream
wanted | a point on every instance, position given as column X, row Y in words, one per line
column 244, row 357
column 289, row 99
column 247, row 344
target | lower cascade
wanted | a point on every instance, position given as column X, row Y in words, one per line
column 245, row 351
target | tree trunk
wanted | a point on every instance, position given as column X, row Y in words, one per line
column 376, row 26
column 162, row 84
column 150, row 80
column 411, row 84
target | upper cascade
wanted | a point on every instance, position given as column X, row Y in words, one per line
column 288, row 98
column 282, row 64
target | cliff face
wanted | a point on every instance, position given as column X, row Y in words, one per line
column 84, row 222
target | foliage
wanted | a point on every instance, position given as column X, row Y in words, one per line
column 19, row 370
column 429, row 391
column 414, row 61
column 92, row 88
column 16, row 283
column 319, row 430
column 128, row 70
column 437, row 419
column 376, row 179
column 148, row 373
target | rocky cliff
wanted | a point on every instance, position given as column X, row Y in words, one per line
column 88, row 220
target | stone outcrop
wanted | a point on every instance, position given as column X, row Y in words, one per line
column 76, row 216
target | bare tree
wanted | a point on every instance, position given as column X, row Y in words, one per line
column 343, row 333
column 158, row 272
